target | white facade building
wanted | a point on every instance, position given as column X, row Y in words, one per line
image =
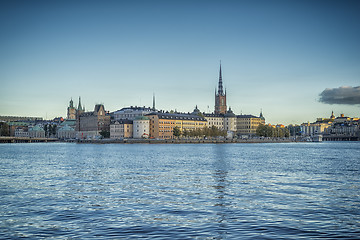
column 66, row 132
column 216, row 120
column 21, row 132
column 141, row 127
column 37, row 132
column 311, row 129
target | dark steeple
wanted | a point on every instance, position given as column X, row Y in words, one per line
column 220, row 89
column 71, row 103
column 220, row 97
column 261, row 115
column 79, row 106
column 153, row 108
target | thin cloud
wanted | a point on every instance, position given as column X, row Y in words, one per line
column 341, row 95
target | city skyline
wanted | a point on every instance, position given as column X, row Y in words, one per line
column 296, row 61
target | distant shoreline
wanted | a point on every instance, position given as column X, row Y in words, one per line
column 153, row 141
column 184, row 141
column 143, row 141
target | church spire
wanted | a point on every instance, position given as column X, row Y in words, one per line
column 220, row 96
column 220, row 89
column 153, row 108
column 79, row 106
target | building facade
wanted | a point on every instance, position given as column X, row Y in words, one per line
column 66, row 132
column 121, row 129
column 130, row 113
column 141, row 127
column 37, row 132
column 317, row 128
column 163, row 124
column 246, row 125
column 230, row 121
column 216, row 120
column 343, row 129
column 90, row 124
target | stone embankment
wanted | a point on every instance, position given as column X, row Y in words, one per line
column 26, row 140
column 184, row 141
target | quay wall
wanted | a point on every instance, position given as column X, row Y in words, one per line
column 184, row 141
column 26, row 140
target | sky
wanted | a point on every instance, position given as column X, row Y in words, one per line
column 294, row 60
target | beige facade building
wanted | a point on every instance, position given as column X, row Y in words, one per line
column 121, row 129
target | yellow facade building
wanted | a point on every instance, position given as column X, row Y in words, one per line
column 163, row 124
column 247, row 124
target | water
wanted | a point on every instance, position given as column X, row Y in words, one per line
column 200, row 191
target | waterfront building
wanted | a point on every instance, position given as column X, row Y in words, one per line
column 141, row 127
column 16, row 128
column 343, row 128
column 130, row 113
column 216, row 120
column 21, row 132
column 317, row 128
column 66, row 132
column 121, row 129
column 230, row 123
column 220, row 97
column 162, row 124
column 90, row 124
column 312, row 129
column 37, row 132
column 246, row 125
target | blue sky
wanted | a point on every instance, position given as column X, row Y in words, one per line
column 277, row 56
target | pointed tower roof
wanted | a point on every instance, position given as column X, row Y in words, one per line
column 261, row 114
column 153, row 108
column 220, row 88
column 79, row 106
column 71, row 103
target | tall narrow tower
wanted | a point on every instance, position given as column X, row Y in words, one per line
column 71, row 111
column 220, row 97
column 153, row 108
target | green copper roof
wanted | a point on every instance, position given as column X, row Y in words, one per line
column 37, row 128
column 66, row 128
column 142, row 118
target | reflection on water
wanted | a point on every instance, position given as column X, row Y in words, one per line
column 221, row 183
column 209, row 191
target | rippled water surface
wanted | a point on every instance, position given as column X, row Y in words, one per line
column 201, row 191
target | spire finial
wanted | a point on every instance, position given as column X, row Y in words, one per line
column 79, row 106
column 220, row 89
column 153, row 102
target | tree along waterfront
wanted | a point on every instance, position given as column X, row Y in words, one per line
column 269, row 131
column 200, row 132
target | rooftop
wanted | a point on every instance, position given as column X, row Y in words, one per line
column 177, row 116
